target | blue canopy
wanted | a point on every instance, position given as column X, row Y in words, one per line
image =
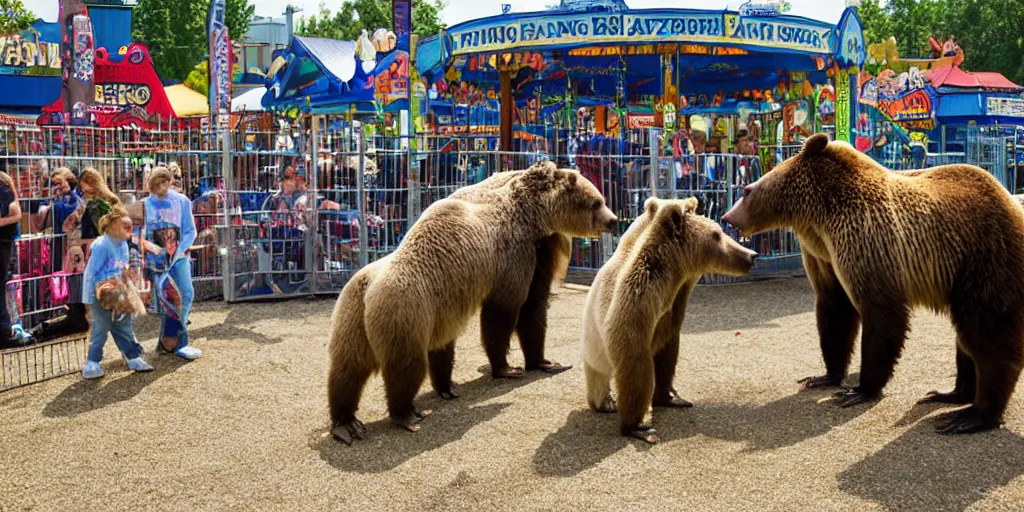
column 314, row 71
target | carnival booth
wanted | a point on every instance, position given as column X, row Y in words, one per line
column 606, row 88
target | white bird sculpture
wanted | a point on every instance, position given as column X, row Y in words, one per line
column 366, row 51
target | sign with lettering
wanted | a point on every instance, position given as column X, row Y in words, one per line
column 635, row 121
column 123, row 94
column 916, row 105
column 1007, row 107
column 401, row 12
column 843, row 105
column 220, row 57
column 27, row 56
column 661, row 25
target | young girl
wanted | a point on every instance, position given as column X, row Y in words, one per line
column 108, row 258
column 170, row 231
column 97, row 200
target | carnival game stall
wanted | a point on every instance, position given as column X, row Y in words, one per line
column 693, row 102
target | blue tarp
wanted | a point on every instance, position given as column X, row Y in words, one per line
column 320, row 72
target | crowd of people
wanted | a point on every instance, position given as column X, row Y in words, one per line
column 89, row 224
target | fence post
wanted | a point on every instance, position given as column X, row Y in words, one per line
column 228, row 279
column 413, row 185
column 313, row 232
column 730, row 183
column 364, row 256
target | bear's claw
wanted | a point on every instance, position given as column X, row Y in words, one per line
column 607, row 406
column 964, row 421
column 509, row 372
column 348, row 432
column 450, row 394
column 411, row 421
column 644, row 433
column 852, row 397
column 953, row 397
column 818, row 382
column 671, row 400
column 551, row 367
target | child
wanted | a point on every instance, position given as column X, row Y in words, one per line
column 108, row 259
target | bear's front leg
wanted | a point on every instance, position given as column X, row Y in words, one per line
column 838, row 323
column 532, row 323
column 497, row 321
column 885, row 331
column 966, row 383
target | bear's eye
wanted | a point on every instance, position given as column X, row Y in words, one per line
column 597, row 204
column 717, row 237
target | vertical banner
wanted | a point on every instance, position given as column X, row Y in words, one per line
column 78, row 66
column 843, row 105
column 401, row 16
column 220, row 65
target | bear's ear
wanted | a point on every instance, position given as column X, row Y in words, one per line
column 651, row 206
column 676, row 217
column 572, row 179
column 690, row 205
column 815, row 144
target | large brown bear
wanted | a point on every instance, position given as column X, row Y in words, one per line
column 417, row 300
column 530, row 318
column 878, row 243
column 635, row 308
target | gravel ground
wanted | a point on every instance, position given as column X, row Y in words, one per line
column 245, row 427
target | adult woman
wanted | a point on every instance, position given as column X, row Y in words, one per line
column 10, row 216
column 170, row 232
column 108, row 259
column 65, row 202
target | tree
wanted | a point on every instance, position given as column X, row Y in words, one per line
column 199, row 78
column 14, row 17
column 990, row 32
column 356, row 15
column 175, row 31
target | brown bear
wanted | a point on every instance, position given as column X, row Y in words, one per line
column 635, row 308
column 417, row 300
column 530, row 318
column 877, row 243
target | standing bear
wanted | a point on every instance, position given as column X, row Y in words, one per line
column 635, row 308
column 402, row 313
column 529, row 319
column 878, row 243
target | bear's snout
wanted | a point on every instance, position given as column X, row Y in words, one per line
column 611, row 224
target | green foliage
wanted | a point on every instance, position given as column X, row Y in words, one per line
column 356, row 15
column 199, row 78
column 175, row 31
column 990, row 32
column 14, row 17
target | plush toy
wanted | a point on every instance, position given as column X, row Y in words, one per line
column 119, row 294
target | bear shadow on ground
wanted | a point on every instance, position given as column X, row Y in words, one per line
column 784, row 422
column 922, row 470
column 386, row 446
column 118, row 385
column 747, row 306
column 238, row 322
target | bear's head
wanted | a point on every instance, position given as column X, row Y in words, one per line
column 799, row 191
column 571, row 203
column 704, row 247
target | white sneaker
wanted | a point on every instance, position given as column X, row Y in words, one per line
column 92, row 370
column 139, row 365
column 189, row 352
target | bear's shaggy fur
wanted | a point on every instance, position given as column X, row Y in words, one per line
column 552, row 264
column 635, row 308
column 402, row 313
column 877, row 243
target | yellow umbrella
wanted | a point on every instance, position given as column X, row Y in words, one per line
column 186, row 102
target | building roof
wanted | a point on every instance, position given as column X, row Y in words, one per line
column 953, row 76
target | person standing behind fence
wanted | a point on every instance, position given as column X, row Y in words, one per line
column 170, row 230
column 10, row 216
column 65, row 201
column 108, row 258
column 97, row 201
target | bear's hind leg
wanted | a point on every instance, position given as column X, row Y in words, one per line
column 599, row 390
column 345, row 384
column 664, row 371
column 532, row 324
column 442, row 362
column 497, row 322
column 885, row 331
column 838, row 323
column 634, row 383
column 964, row 389
column 404, row 372
column 997, row 348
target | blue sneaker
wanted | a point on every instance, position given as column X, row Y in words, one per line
column 139, row 365
column 92, row 370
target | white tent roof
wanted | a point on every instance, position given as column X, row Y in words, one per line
column 249, row 101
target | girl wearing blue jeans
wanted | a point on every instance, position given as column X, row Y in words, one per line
column 170, row 232
column 108, row 258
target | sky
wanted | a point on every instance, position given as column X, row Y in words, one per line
column 465, row 10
